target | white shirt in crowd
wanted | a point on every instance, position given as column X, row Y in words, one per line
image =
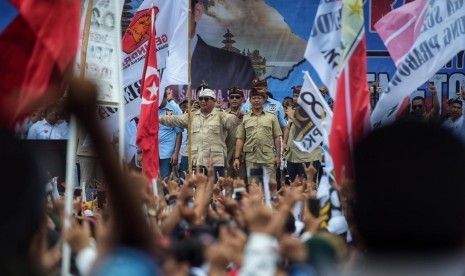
column 42, row 130
column 457, row 127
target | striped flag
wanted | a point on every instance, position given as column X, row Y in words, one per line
column 147, row 133
column 351, row 108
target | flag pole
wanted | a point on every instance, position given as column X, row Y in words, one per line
column 71, row 153
column 189, row 92
column 121, row 103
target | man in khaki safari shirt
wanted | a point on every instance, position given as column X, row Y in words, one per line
column 209, row 130
column 259, row 137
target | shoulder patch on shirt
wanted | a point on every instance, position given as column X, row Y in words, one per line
column 272, row 107
column 169, row 112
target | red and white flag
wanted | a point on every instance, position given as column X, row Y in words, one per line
column 421, row 37
column 147, row 132
column 351, row 109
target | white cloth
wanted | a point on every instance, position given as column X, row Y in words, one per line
column 260, row 255
column 457, row 127
column 85, row 260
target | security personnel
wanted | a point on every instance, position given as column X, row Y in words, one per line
column 236, row 98
column 209, row 130
column 258, row 137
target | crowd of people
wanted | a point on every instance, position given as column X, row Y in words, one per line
column 399, row 216
column 402, row 216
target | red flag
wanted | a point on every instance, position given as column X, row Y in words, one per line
column 351, row 109
column 36, row 49
column 147, row 132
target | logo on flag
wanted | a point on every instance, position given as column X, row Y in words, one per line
column 138, row 32
column 308, row 116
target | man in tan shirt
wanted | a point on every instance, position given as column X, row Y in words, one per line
column 294, row 156
column 209, row 130
column 236, row 98
column 259, row 137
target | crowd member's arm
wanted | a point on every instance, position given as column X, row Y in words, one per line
column 260, row 254
column 152, row 213
column 232, row 120
column 277, row 142
column 434, row 92
column 406, row 111
column 175, row 120
column 237, row 155
column 174, row 158
column 210, row 185
column 78, row 238
column 173, row 214
column 201, row 182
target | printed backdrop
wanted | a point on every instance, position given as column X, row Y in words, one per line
column 272, row 34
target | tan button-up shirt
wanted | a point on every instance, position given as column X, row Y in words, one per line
column 259, row 132
column 231, row 142
column 208, row 134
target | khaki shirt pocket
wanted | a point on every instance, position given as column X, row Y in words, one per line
column 267, row 128
column 196, row 128
column 267, row 148
column 248, row 149
column 250, row 128
column 213, row 128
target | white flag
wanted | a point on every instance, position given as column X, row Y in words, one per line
column 177, row 60
column 323, row 49
column 308, row 116
column 441, row 35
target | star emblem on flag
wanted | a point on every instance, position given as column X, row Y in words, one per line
column 356, row 8
column 150, row 94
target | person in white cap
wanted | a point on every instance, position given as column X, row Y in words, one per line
column 209, row 130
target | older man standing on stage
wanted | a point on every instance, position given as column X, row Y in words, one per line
column 209, row 130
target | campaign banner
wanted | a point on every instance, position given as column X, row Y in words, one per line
column 134, row 50
column 103, row 64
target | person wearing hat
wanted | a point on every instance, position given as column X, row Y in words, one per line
column 236, row 98
column 259, row 137
column 209, row 130
column 455, row 122
column 269, row 105
column 272, row 106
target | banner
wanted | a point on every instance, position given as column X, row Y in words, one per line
column 103, row 64
column 440, row 36
column 134, row 49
